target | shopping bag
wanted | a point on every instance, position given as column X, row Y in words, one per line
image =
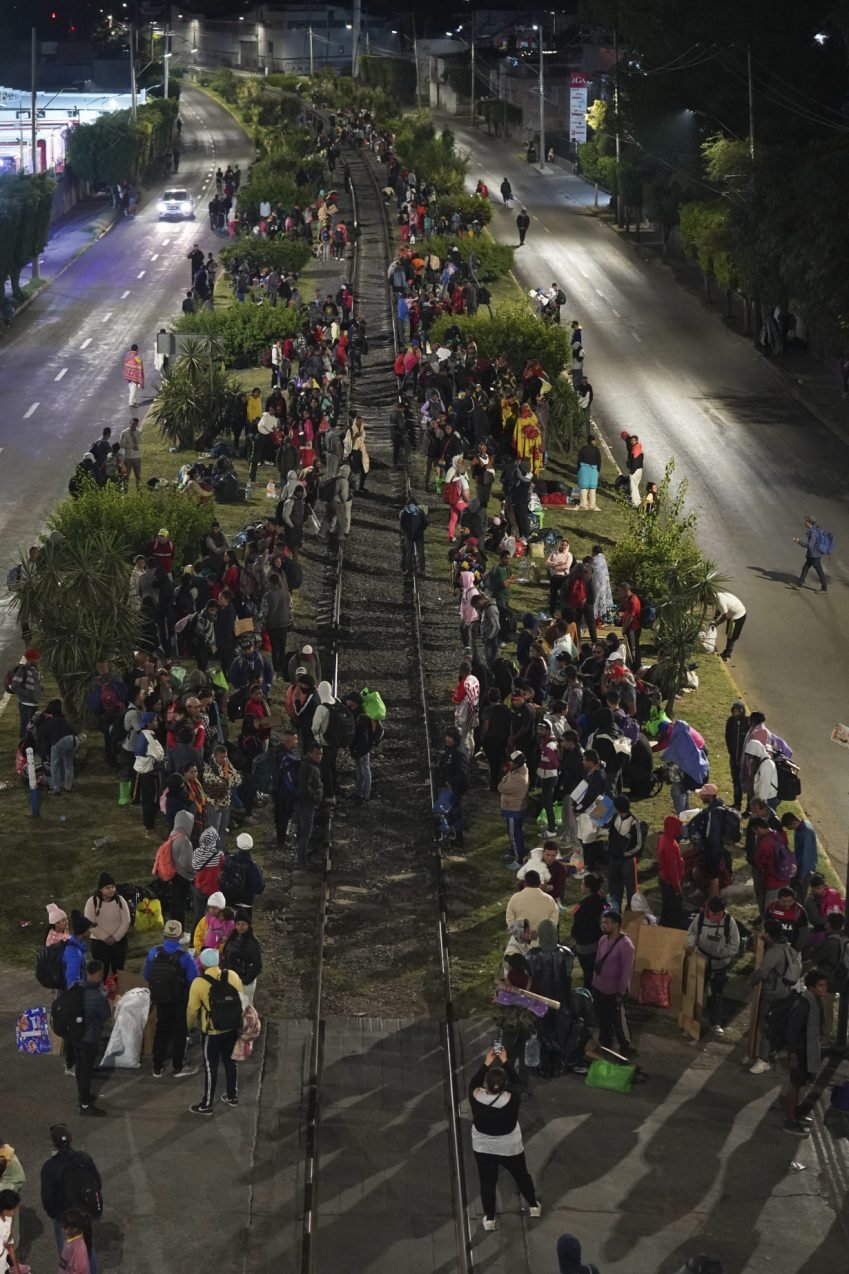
column 373, row 705
column 31, row 1031
column 149, row 915
column 542, row 817
column 655, row 988
column 609, row 1075
column 708, row 639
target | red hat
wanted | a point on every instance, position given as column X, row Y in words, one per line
column 32, row 656
column 624, row 435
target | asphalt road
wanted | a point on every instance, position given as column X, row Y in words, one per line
column 665, row 368
column 61, row 365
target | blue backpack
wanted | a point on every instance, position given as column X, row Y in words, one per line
column 140, row 745
column 825, row 541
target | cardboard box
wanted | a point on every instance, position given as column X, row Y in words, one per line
column 692, row 1008
column 661, row 950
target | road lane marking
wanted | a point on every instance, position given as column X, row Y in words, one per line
column 637, row 338
column 165, row 242
column 582, row 271
column 546, row 229
column 616, row 312
column 599, row 292
column 155, row 256
column 61, row 374
column 124, row 295
column 140, row 274
column 106, row 317
column 33, row 409
column 86, row 343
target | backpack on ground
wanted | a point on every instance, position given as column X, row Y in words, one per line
column 789, row 782
column 50, row 967
column 825, row 542
column 340, row 726
column 373, row 705
column 163, row 864
column 165, row 979
column 234, row 878
column 81, row 1186
column 225, row 1003
column 784, row 863
column 66, row 1014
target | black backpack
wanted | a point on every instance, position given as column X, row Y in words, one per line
column 234, row 878
column 81, row 1186
column 67, row 1017
column 789, row 782
column 327, row 489
column 50, row 967
column 777, row 1020
column 225, row 1003
column 166, row 981
column 340, row 727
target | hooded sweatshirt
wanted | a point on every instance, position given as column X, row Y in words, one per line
column 764, row 773
column 321, row 718
column 514, row 790
column 716, row 937
column 569, row 1257
column 181, row 843
column 670, row 863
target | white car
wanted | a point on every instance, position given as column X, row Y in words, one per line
column 176, row 203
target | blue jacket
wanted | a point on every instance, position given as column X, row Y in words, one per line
column 171, row 946
column 74, row 960
column 805, row 846
column 248, row 668
column 681, row 748
column 96, row 1012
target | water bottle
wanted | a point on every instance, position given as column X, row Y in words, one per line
column 532, row 1051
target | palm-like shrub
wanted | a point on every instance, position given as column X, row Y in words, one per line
column 193, row 398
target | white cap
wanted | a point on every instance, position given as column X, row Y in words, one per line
column 244, row 841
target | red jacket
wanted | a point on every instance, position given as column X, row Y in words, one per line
column 670, row 863
column 765, row 858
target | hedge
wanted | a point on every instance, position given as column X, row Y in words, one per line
column 276, row 254
column 243, row 331
column 470, row 207
column 132, row 520
column 496, row 258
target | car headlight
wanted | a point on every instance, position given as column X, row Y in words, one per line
column 186, row 206
column 162, row 205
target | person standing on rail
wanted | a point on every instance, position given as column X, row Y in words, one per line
column 494, row 1095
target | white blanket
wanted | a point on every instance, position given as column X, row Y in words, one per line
column 125, row 1042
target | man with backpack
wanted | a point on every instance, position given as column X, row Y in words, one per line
column 169, row 972
column 367, row 733
column 792, row 917
column 332, row 728
column 25, row 684
column 777, row 975
column 241, row 878
column 624, row 844
column 412, row 524
column 249, row 666
column 773, row 859
column 95, row 1013
column 215, row 1000
column 310, row 796
column 814, row 547
column 284, row 765
column 804, row 1038
column 70, row 1179
column 716, row 935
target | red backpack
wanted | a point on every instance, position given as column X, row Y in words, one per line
column 576, row 597
column 163, row 864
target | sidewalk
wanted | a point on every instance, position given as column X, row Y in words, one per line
column 71, row 235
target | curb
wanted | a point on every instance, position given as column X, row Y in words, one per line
column 49, row 281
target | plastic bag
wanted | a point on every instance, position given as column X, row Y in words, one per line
column 149, row 915
column 542, row 817
column 655, row 988
column 609, row 1075
column 373, row 705
column 32, row 1034
column 708, row 639
column 124, row 1049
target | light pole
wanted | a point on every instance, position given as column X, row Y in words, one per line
column 166, row 40
column 616, row 128
column 312, row 60
column 751, row 106
column 542, row 166
column 473, row 68
column 134, row 109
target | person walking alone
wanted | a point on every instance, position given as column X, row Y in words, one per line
column 522, row 223
column 134, row 373
column 494, row 1096
column 813, row 554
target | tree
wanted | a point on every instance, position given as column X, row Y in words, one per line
column 26, row 204
column 104, row 153
column 662, row 201
column 194, row 396
column 74, row 597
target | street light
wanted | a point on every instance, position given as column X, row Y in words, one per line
column 542, row 166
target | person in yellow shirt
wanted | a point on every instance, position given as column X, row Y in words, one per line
column 219, row 1009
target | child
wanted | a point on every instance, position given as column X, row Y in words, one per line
column 75, row 1258
column 57, row 921
column 214, row 929
column 9, row 1203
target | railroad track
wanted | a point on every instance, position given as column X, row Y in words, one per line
column 366, row 1021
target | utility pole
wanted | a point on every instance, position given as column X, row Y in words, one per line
column 416, row 60
column 616, row 127
column 356, row 23
column 473, row 68
column 133, row 86
column 166, row 44
column 312, row 60
column 36, row 264
column 751, row 108
column 541, row 100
